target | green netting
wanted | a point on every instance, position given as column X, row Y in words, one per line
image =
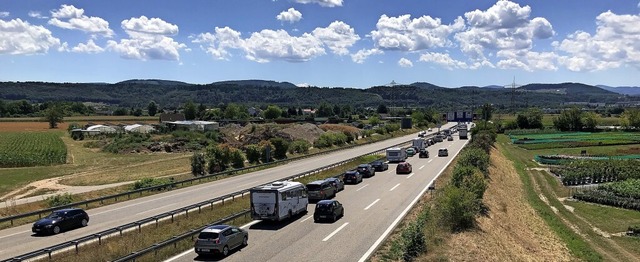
column 574, row 137
column 561, row 159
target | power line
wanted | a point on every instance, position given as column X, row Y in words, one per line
column 513, row 86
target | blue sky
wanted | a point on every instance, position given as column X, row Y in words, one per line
column 326, row 43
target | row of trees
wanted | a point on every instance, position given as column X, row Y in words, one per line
column 23, row 108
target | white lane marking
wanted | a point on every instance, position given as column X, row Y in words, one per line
column 190, row 251
column 421, row 167
column 404, row 212
column 21, row 232
column 335, row 232
column 430, row 160
column 306, row 219
column 370, row 205
column 394, row 187
column 410, row 175
column 362, row 187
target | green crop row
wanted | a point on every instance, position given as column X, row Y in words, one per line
column 31, row 149
column 597, row 171
column 607, row 198
column 628, row 188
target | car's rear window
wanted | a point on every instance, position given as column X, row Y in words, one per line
column 314, row 187
column 323, row 207
column 208, row 235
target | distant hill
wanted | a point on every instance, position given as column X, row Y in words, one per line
column 623, row 90
column 425, row 85
column 493, row 87
column 153, row 82
column 266, row 83
column 566, row 88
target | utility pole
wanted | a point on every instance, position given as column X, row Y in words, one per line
column 513, row 87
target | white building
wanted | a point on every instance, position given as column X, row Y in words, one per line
column 101, row 129
column 138, row 128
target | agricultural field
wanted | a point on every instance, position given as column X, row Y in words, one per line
column 547, row 119
column 26, row 149
column 574, row 139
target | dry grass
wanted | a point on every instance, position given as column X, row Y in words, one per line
column 340, row 128
column 512, row 231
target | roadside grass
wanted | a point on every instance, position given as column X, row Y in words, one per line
column 609, row 219
column 628, row 243
column 115, row 247
column 576, row 245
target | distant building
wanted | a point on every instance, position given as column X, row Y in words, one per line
column 308, row 111
column 138, row 128
column 172, row 117
column 193, row 125
column 101, row 129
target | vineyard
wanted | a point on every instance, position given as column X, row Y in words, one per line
column 581, row 172
column 26, row 149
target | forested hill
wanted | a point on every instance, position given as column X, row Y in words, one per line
column 138, row 93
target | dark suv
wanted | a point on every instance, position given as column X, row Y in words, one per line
column 320, row 189
column 423, row 153
column 352, row 176
column 328, row 210
column 366, row 170
column 59, row 220
column 380, row 165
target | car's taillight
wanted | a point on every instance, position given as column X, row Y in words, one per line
column 217, row 241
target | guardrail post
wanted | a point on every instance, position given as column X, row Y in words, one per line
column 120, row 229
column 186, row 212
column 171, row 217
column 223, row 201
column 49, row 252
column 156, row 222
column 99, row 239
column 76, row 244
column 139, row 227
column 199, row 209
column 211, row 205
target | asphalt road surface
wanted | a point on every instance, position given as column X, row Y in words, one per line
column 19, row 240
column 372, row 209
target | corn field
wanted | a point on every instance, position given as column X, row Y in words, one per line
column 31, row 149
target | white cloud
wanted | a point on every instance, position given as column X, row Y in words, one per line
column 90, row 48
column 4, row 14
column 37, row 14
column 615, row 43
column 403, row 62
column 149, row 40
column 338, row 37
column 291, row 15
column 269, row 45
column 76, row 20
column 406, row 34
column 504, row 28
column 443, row 59
column 19, row 37
column 325, row 3
column 363, row 54
column 527, row 60
column 303, row 85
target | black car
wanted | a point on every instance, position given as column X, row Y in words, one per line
column 352, row 176
column 60, row 220
column 380, row 165
column 423, row 153
column 337, row 183
column 328, row 210
column 366, row 170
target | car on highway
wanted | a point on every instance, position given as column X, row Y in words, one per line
column 320, row 189
column 328, row 210
column 60, row 220
column 366, row 170
column 449, row 138
column 429, row 130
column 379, row 165
column 443, row 152
column 430, row 141
column 410, row 151
column 423, row 153
column 352, row 176
column 220, row 240
column 337, row 183
column 404, row 168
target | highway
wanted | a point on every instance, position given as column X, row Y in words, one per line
column 372, row 209
column 19, row 240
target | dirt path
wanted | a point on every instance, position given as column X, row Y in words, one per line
column 512, row 231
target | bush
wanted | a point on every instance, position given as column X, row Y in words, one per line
column 237, row 159
column 460, row 172
column 253, row 153
column 151, row 182
column 476, row 184
column 299, row 146
column 59, row 200
column 280, row 147
column 197, row 164
column 457, row 208
column 475, row 157
column 390, row 128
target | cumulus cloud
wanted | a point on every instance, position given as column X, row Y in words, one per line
column 338, row 37
column 4, row 14
column 527, row 60
column 505, row 27
column 19, row 37
column 90, row 48
column 362, row 55
column 443, row 59
column 37, row 14
column 403, row 62
column 149, row 39
column 269, row 45
column 405, row 34
column 70, row 17
column 291, row 15
column 614, row 44
column 325, row 3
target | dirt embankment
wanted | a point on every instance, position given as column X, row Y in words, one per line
column 512, row 231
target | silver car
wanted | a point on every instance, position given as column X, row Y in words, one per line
column 220, row 239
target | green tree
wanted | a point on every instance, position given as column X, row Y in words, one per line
column 280, row 147
column 458, row 208
column 120, row 111
column 299, row 146
column 486, row 111
column 253, row 153
column 272, row 112
column 198, row 164
column 237, row 159
column 152, row 108
column 475, row 157
column 374, row 120
column 569, row 120
column 189, row 110
column 476, row 184
column 325, row 110
column 137, row 112
column 382, row 109
column 590, row 120
column 631, row 117
column 534, row 118
column 202, row 109
column 54, row 115
column 419, row 119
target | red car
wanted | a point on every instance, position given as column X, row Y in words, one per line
column 404, row 168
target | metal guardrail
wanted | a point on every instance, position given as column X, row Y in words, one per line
column 128, row 194
column 49, row 250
